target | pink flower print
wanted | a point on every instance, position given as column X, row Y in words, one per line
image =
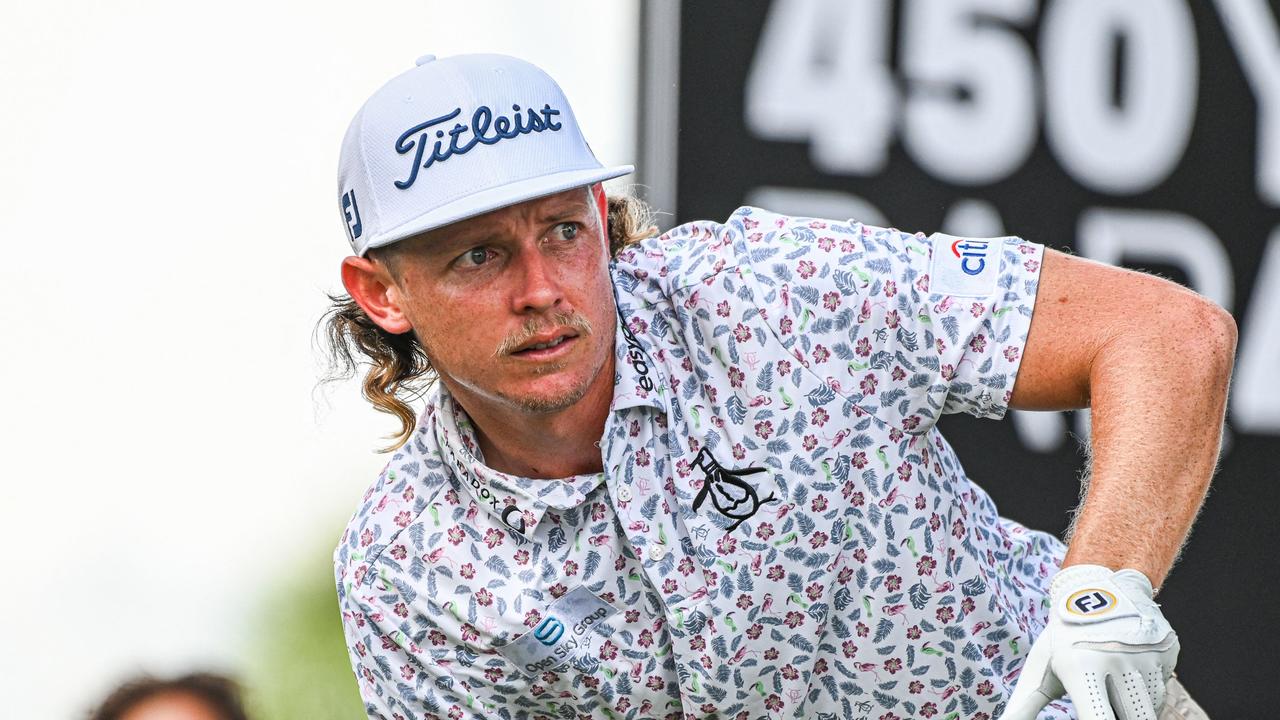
column 819, row 417
column 642, row 457
column 437, row 638
column 741, row 333
column 401, row 610
column 814, row 591
column 892, row 319
column 911, row 423
column 846, row 245
column 403, row 518
column 755, row 631
column 784, row 325
column 915, row 687
column 789, row 672
column 722, row 308
column 645, row 638
column 818, row 539
column 957, row 529
column 991, row 651
column 736, row 377
column 727, row 545
column 407, row 672
column 399, row 552
column 819, row 504
column 493, row 538
column 868, row 384
column 893, row 665
column 820, row 666
column 890, row 716
column 784, row 367
column 892, row 583
column 521, row 557
column 858, row 459
column 925, row 565
column 978, row 343
column 895, row 434
column 898, row 373
column 846, row 574
column 793, row 619
column 469, row 633
column 739, row 452
column 1011, row 353
column 849, row 648
column 831, row 300
column 890, row 288
column 608, row 651
column 1031, row 265
column 967, row 605
column 826, row 243
column 493, row 674
column 744, row 602
column 557, row 590
column 913, row 632
column 771, row 653
column 904, row 471
column 570, row 567
column 638, row 326
column 484, row 597
column 928, row 710
column 455, row 534
column 977, row 309
column 467, row 571
column 776, row 572
column 773, row 702
column 863, row 347
column 764, row 429
column 366, row 538
column 809, row 442
column 669, row 586
column 946, row 614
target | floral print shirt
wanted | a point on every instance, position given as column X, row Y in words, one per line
column 780, row 530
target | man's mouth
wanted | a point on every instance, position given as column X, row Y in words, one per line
column 545, row 344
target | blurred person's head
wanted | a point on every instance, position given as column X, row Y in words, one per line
column 482, row 237
column 198, row 696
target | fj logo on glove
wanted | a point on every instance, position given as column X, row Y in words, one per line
column 1091, row 602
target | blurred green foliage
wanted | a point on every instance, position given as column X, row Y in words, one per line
column 298, row 667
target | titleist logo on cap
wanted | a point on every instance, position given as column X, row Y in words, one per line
column 482, row 122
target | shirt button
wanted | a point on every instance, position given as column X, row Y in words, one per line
column 624, row 494
column 657, row 552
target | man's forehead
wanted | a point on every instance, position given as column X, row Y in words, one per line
column 538, row 209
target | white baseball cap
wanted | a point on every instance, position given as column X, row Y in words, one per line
column 454, row 138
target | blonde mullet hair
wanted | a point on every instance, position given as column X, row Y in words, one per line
column 399, row 369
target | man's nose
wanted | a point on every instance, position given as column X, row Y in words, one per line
column 537, row 284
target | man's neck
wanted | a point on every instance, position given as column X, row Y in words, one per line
column 544, row 445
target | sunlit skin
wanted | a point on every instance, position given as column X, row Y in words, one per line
column 477, row 293
column 171, row 706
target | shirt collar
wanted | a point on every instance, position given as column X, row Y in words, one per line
column 518, row 502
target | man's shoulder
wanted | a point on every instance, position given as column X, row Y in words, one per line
column 403, row 490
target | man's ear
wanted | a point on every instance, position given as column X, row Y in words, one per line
column 371, row 286
column 602, row 205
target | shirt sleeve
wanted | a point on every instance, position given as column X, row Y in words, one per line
column 908, row 326
column 397, row 679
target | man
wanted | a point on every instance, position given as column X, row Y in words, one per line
column 197, row 696
column 703, row 478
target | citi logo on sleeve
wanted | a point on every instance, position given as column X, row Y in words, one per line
column 965, row 267
column 973, row 260
column 1091, row 602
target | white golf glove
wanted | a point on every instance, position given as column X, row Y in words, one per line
column 1107, row 646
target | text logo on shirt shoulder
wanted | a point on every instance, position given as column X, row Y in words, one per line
column 1091, row 602
column 973, row 260
column 731, row 496
column 638, row 360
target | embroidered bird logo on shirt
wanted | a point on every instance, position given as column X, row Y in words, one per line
column 732, row 496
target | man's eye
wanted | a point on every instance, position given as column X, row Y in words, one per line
column 568, row 231
column 475, row 256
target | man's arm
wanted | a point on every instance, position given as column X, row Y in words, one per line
column 1153, row 361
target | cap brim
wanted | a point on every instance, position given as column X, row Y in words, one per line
column 498, row 197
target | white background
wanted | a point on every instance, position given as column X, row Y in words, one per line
column 167, row 203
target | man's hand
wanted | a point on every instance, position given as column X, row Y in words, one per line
column 1107, row 646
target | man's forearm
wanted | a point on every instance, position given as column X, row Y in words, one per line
column 1158, row 395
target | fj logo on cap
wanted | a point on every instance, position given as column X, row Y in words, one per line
column 351, row 212
column 1091, row 602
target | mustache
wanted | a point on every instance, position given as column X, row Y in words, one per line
column 536, row 326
